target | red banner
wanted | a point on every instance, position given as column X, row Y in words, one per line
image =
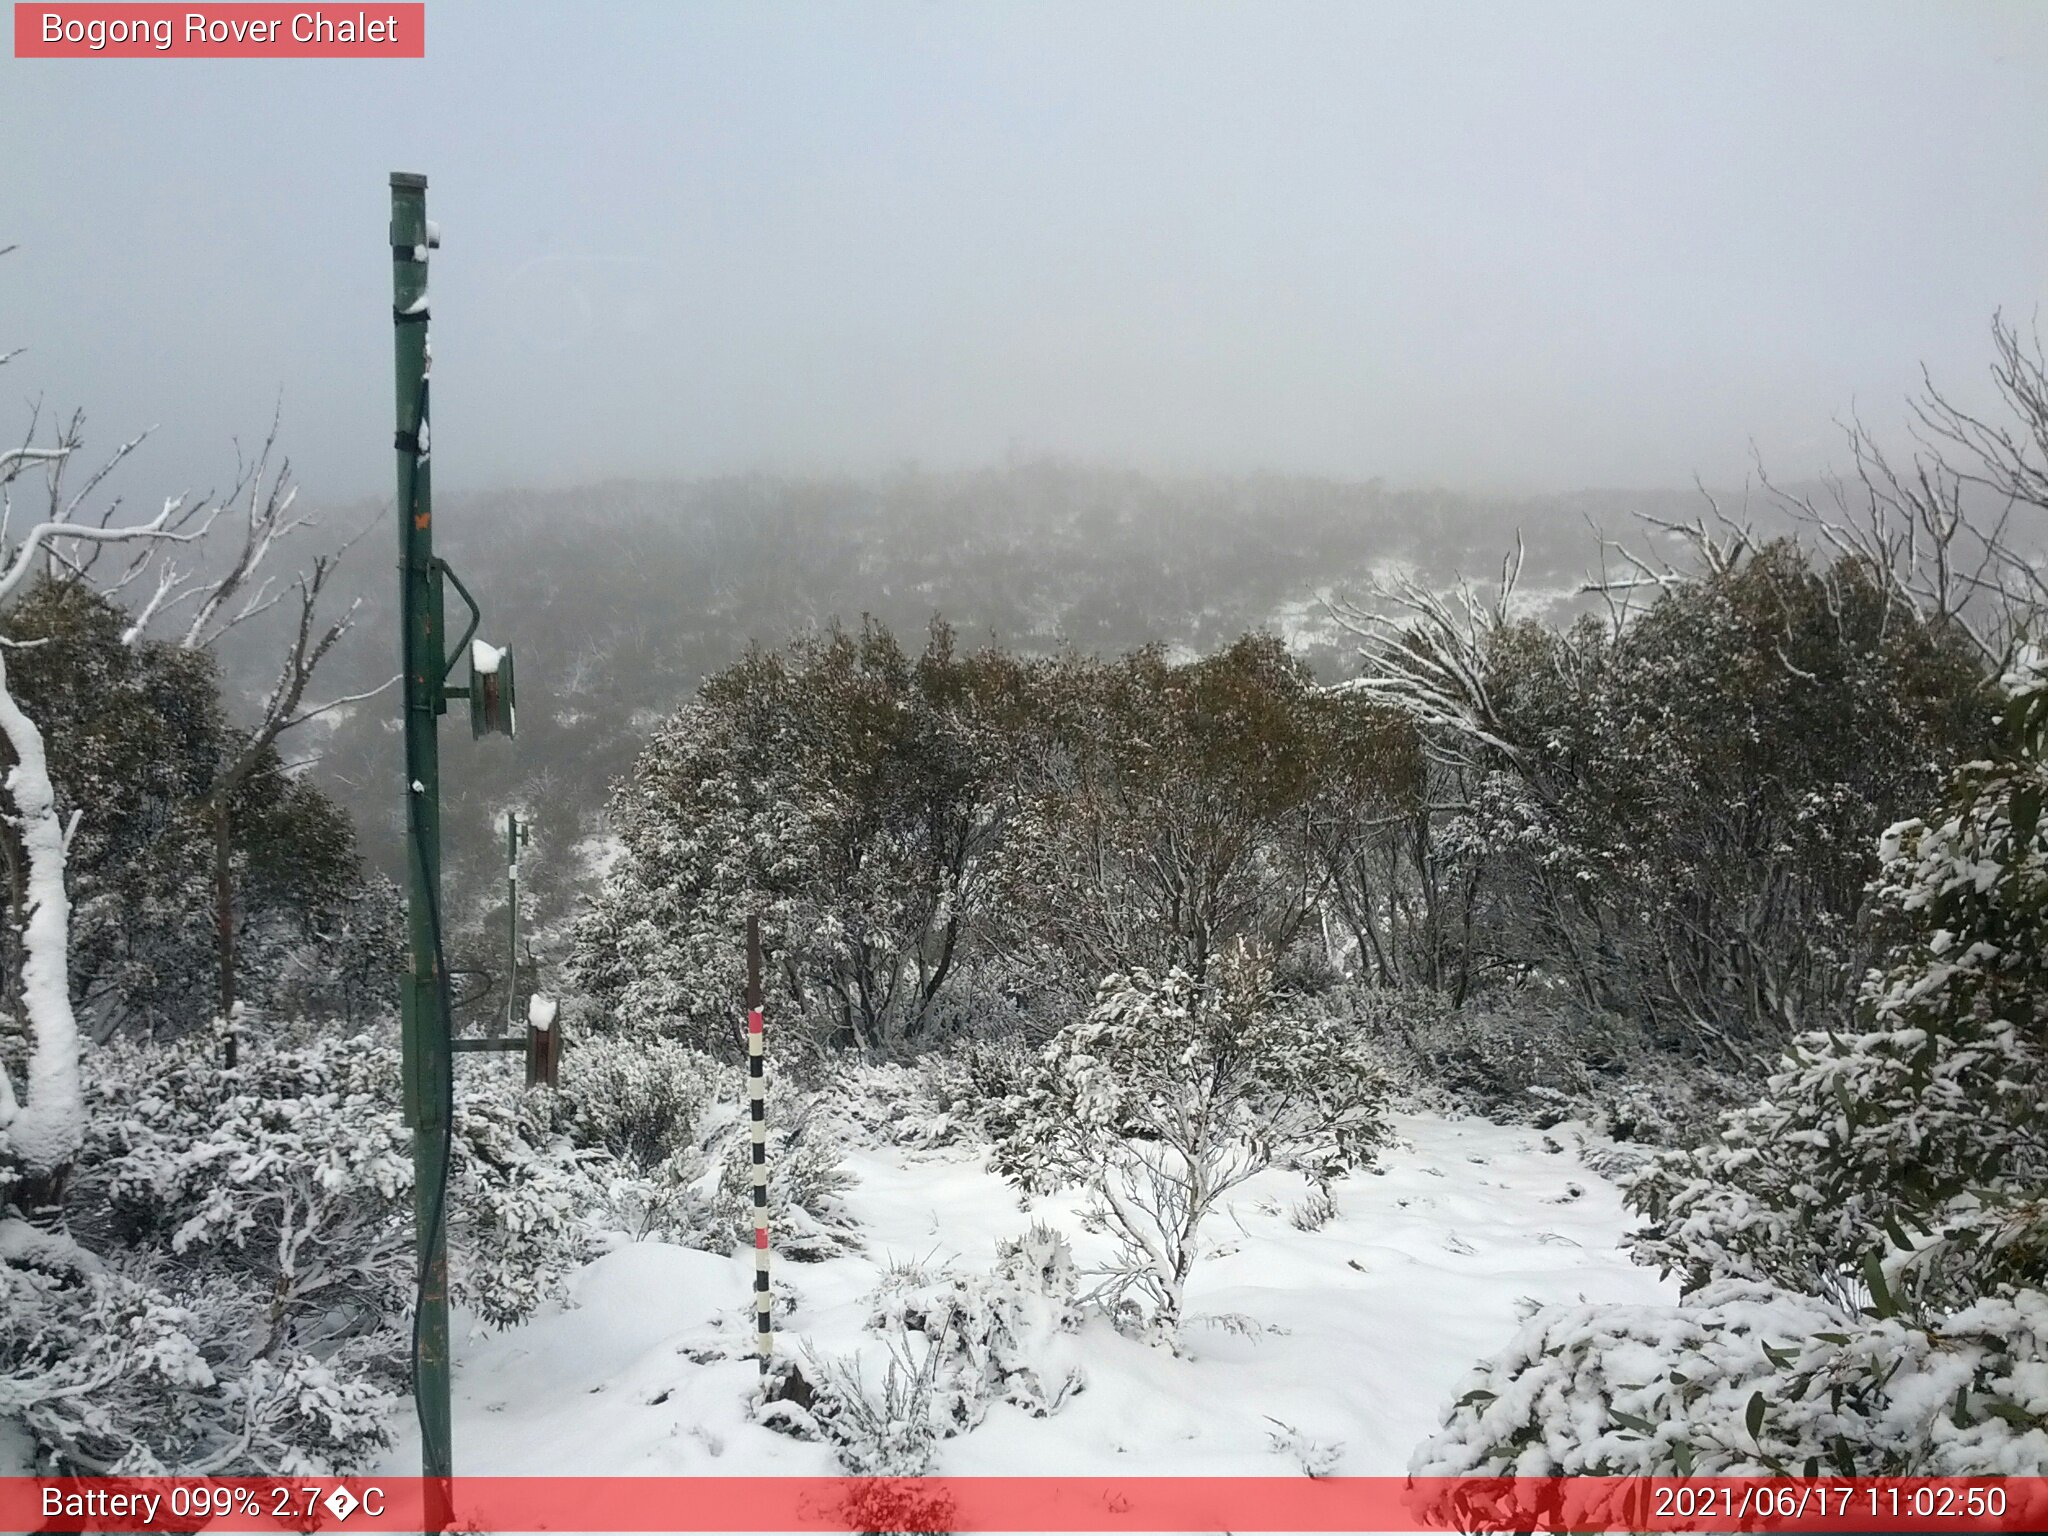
column 101, row 31
column 166, row 1504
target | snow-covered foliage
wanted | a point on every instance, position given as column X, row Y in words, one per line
column 943, row 1098
column 1673, row 811
column 953, row 1344
column 674, row 1119
column 145, row 726
column 1534, row 1057
column 1747, row 1378
column 842, row 790
column 233, row 1291
column 1171, row 1093
column 1865, row 1251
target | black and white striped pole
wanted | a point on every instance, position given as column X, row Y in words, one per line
column 757, row 1112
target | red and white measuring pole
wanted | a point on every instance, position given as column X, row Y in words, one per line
column 757, row 1113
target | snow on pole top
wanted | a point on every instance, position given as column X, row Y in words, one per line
column 540, row 1011
column 484, row 658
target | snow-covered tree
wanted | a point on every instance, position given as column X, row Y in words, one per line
column 1171, row 1093
column 841, row 789
column 41, row 1128
column 1170, row 810
column 146, row 729
column 1672, row 810
column 1865, row 1251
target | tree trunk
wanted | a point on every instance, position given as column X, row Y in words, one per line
column 224, row 925
column 47, row 1126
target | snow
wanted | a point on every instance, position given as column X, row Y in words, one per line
column 541, row 1010
column 598, row 854
column 484, row 658
column 1345, row 1348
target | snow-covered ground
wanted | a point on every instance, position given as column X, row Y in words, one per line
column 1348, row 1341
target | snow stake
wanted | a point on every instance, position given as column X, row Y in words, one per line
column 757, row 1114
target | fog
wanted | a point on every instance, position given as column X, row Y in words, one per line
column 1481, row 247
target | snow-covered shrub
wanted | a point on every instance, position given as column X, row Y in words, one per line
column 151, row 1366
column 903, row 1104
column 674, row 1120
column 1531, row 1058
column 953, row 1344
column 521, row 1199
column 1749, row 1379
column 805, row 1180
column 233, row 1290
column 1171, row 1093
column 1864, row 1252
column 993, row 1332
column 942, row 1098
column 882, row 1424
column 249, row 1251
column 1314, row 1211
column 640, row 1099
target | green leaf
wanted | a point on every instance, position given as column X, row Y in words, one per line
column 1960, row 1416
column 1893, row 1231
column 1881, row 1302
column 2026, row 813
column 1682, row 1458
column 2011, row 1413
column 1781, row 1358
column 1754, row 1416
column 1630, row 1421
column 1839, row 1340
column 1476, row 1395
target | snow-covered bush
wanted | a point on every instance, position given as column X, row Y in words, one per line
column 674, row 1120
column 1531, row 1057
column 904, row 1104
column 157, row 1366
column 805, row 1180
column 1864, row 1252
column 1174, row 1091
column 233, row 1289
column 521, row 1201
column 953, row 1344
column 993, row 1332
column 942, row 1098
column 1753, row 1379
column 642, row 1100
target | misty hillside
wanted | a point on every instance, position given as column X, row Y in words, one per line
column 618, row 599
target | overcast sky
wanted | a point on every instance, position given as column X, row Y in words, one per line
column 1518, row 246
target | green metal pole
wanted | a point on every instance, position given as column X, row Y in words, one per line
column 428, row 1059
